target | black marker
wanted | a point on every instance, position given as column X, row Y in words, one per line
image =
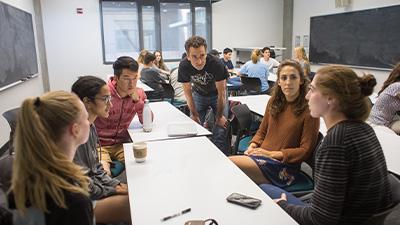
column 176, row 214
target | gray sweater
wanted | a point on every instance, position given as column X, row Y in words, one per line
column 350, row 178
column 101, row 185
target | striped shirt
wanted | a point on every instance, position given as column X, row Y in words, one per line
column 350, row 178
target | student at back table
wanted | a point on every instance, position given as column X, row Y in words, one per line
column 127, row 100
column 151, row 77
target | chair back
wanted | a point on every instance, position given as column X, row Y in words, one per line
column 169, row 92
column 386, row 216
column 243, row 116
column 251, row 85
column 11, row 117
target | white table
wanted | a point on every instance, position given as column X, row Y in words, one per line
column 144, row 86
column 390, row 143
column 193, row 173
column 164, row 114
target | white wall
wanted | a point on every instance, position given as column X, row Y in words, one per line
column 250, row 23
column 13, row 97
column 73, row 41
column 301, row 22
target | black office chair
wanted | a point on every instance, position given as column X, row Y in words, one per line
column 386, row 216
column 11, row 117
column 243, row 117
column 169, row 92
column 250, row 85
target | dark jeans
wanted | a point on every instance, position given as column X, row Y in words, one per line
column 203, row 103
column 275, row 193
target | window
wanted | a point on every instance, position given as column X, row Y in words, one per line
column 129, row 26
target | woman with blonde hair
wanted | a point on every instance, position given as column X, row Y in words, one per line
column 255, row 68
column 301, row 56
column 387, row 105
column 350, row 174
column 47, row 187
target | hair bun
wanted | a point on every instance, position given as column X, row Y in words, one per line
column 367, row 84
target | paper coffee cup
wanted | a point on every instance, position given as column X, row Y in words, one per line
column 140, row 151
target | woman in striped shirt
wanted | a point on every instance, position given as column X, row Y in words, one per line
column 350, row 174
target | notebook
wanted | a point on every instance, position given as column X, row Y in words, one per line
column 181, row 129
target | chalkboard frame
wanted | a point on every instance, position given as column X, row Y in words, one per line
column 345, row 38
column 18, row 57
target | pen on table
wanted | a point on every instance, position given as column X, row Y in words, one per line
column 176, row 214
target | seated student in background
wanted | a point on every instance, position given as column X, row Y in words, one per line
column 140, row 60
column 287, row 135
column 387, row 105
column 255, row 68
column 350, row 173
column 270, row 62
column 47, row 187
column 160, row 65
column 178, row 87
column 112, row 202
column 151, row 77
column 127, row 101
column 226, row 59
column 301, row 57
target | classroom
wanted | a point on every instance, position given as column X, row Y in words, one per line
column 200, row 155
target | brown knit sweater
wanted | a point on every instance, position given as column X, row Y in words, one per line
column 295, row 136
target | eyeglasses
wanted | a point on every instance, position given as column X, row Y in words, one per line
column 125, row 79
column 105, row 98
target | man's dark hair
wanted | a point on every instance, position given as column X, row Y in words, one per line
column 227, row 50
column 148, row 58
column 124, row 62
column 195, row 42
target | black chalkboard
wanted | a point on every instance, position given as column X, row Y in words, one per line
column 367, row 38
column 18, row 60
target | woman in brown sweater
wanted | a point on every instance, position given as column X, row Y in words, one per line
column 287, row 135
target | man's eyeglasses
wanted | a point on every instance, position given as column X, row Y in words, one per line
column 128, row 79
column 105, row 98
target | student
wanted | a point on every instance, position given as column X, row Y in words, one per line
column 47, row 187
column 127, row 101
column 226, row 59
column 215, row 53
column 301, row 56
column 387, row 105
column 207, row 75
column 140, row 60
column 287, row 134
column 350, row 174
column 270, row 62
column 159, row 63
column 111, row 196
column 254, row 68
column 151, row 77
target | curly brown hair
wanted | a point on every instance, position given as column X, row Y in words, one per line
column 278, row 100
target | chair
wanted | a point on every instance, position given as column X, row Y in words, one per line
column 305, row 184
column 386, row 217
column 11, row 117
column 169, row 92
column 243, row 116
column 251, row 85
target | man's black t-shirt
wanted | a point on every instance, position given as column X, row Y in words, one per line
column 203, row 81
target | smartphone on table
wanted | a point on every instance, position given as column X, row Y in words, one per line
column 244, row 200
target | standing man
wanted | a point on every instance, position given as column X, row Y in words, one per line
column 127, row 101
column 204, row 83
